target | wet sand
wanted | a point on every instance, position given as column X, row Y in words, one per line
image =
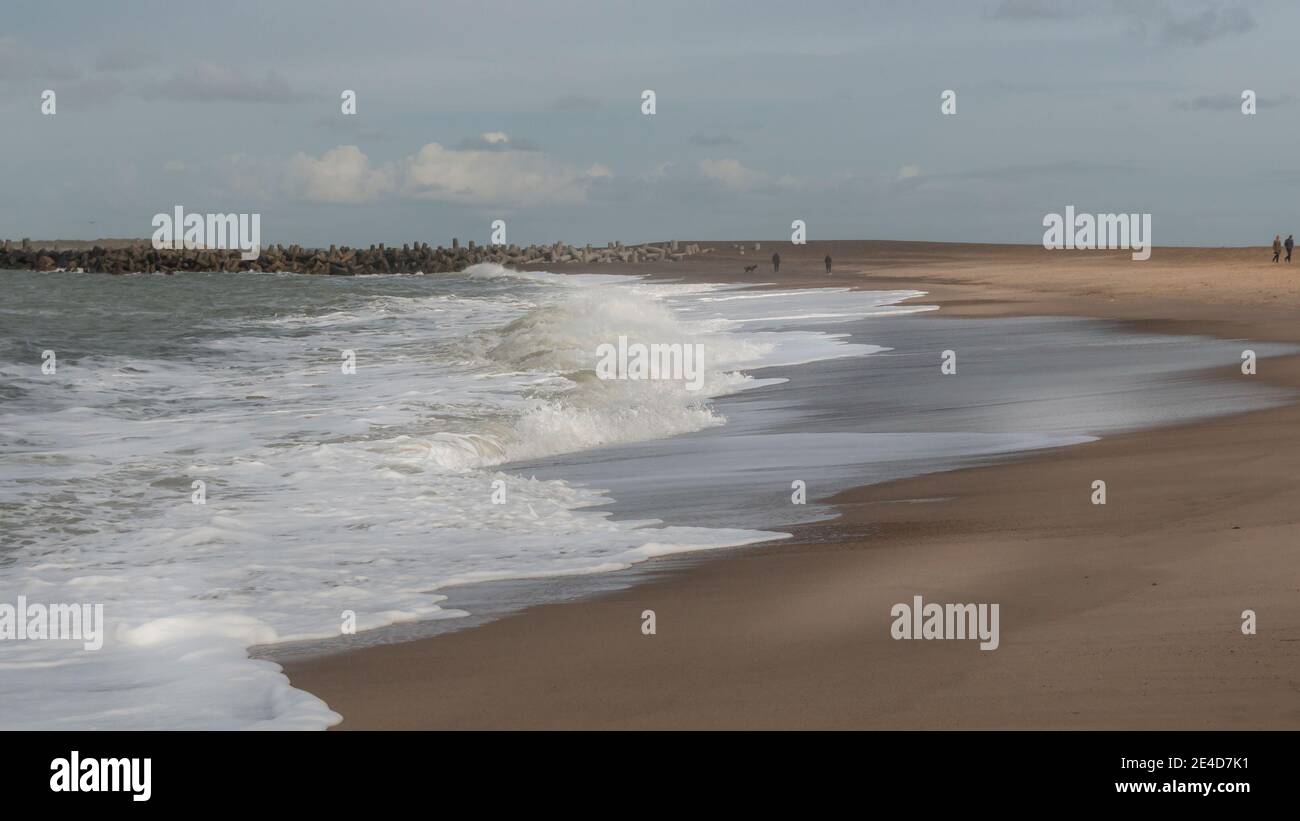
column 1123, row 615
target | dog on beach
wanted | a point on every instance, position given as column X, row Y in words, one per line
column 749, row 269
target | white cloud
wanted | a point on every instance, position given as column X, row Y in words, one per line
column 501, row 176
column 660, row 171
column 342, row 174
column 507, row 178
column 255, row 178
column 495, row 141
column 732, row 173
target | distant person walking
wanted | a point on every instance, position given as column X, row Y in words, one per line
column 1277, row 247
column 828, row 264
column 1289, row 244
column 776, row 263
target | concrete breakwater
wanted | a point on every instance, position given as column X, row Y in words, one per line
column 142, row 257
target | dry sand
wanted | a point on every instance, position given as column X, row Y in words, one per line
column 1125, row 615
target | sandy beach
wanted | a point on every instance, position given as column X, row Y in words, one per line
column 1119, row 616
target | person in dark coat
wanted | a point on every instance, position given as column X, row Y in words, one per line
column 828, row 264
column 776, row 263
column 1288, row 245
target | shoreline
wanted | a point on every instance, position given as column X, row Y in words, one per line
column 1120, row 616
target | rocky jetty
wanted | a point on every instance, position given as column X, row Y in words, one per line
column 142, row 257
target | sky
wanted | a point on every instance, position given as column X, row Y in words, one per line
column 765, row 113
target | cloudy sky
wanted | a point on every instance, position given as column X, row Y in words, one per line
column 767, row 112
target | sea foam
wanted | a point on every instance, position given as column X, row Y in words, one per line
column 325, row 492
